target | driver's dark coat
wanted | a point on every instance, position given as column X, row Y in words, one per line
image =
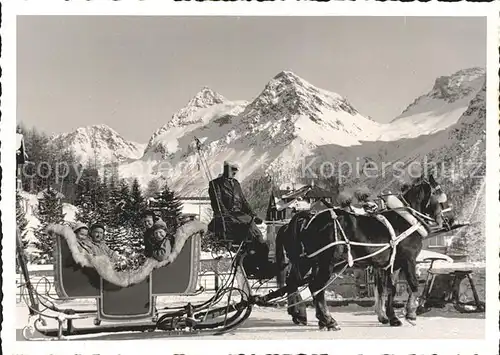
column 230, row 196
column 234, row 208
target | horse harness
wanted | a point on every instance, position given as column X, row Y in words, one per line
column 434, row 189
column 395, row 240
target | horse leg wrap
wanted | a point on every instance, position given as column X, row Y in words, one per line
column 411, row 307
column 395, row 322
column 329, row 325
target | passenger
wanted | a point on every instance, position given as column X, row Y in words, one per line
column 97, row 236
column 81, row 231
column 161, row 243
column 148, row 220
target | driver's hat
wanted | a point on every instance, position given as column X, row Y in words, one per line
column 231, row 165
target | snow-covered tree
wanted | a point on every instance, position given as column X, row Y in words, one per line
column 49, row 211
column 22, row 224
column 170, row 209
column 21, row 221
column 153, row 189
column 90, row 197
column 125, row 234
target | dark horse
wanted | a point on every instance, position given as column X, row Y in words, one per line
column 307, row 234
column 426, row 197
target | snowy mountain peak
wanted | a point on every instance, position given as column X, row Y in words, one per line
column 205, row 98
column 440, row 108
column 289, row 77
column 99, row 129
column 287, row 95
column 100, row 142
column 206, row 106
column 472, row 122
column 458, row 85
column 458, row 88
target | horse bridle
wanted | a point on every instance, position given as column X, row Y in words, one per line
column 434, row 189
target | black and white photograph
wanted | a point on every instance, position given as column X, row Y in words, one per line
column 252, row 178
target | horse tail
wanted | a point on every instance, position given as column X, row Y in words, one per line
column 280, row 256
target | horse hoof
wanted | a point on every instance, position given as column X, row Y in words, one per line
column 383, row 320
column 423, row 309
column 334, row 328
column 396, row 322
column 329, row 327
column 411, row 316
column 299, row 320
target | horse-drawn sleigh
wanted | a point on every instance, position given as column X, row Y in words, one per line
column 319, row 246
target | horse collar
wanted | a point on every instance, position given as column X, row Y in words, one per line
column 330, row 210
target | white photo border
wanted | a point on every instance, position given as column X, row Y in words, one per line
column 337, row 345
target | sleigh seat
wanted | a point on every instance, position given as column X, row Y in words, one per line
column 73, row 281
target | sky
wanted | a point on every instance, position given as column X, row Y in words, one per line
column 132, row 73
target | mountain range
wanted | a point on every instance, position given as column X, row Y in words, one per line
column 100, row 144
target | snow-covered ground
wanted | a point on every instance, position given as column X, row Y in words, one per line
column 356, row 323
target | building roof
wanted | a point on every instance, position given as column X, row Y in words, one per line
column 310, row 191
column 278, row 193
column 194, row 198
column 317, row 191
column 297, row 204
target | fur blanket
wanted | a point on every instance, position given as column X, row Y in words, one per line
column 100, row 261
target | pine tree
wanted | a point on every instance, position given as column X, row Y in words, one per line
column 113, row 214
column 137, row 203
column 38, row 150
column 82, row 187
column 125, row 234
column 123, row 206
column 86, row 212
column 137, row 208
column 22, row 224
column 21, row 221
column 101, row 198
column 49, row 211
column 90, row 197
column 153, row 189
column 68, row 172
column 170, row 209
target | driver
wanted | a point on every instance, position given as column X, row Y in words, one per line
column 233, row 216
